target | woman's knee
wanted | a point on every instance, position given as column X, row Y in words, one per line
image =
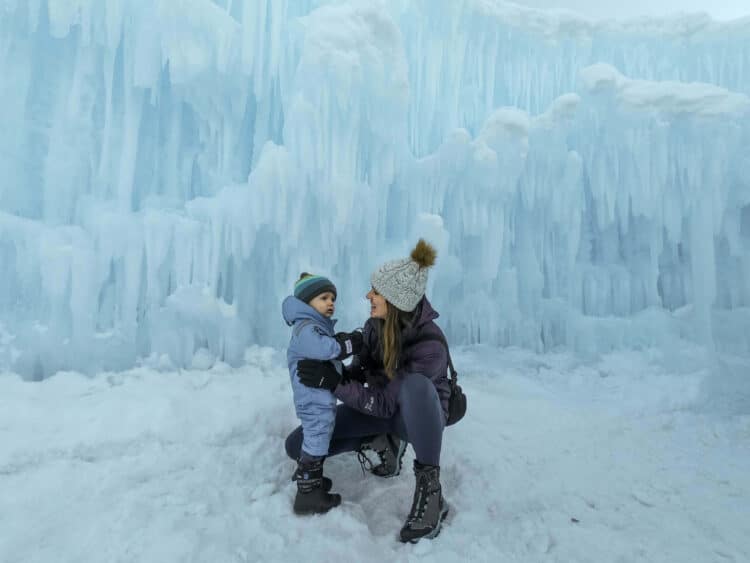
column 293, row 444
column 417, row 385
column 418, row 395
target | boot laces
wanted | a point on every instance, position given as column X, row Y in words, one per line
column 364, row 461
column 366, row 464
column 420, row 502
column 382, row 457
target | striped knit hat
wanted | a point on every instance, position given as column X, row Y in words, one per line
column 309, row 286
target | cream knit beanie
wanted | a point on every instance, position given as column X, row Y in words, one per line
column 403, row 282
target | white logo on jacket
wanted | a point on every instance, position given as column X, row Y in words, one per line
column 370, row 404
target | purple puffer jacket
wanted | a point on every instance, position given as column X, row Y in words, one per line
column 430, row 358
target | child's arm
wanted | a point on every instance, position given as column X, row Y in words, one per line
column 316, row 345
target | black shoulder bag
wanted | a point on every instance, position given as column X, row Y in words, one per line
column 457, row 400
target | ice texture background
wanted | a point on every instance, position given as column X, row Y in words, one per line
column 722, row 10
column 168, row 168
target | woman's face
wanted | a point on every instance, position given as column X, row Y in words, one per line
column 378, row 308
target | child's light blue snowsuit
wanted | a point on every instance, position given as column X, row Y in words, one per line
column 312, row 338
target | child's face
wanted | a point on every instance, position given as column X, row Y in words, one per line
column 325, row 303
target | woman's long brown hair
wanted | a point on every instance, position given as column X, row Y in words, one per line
column 389, row 331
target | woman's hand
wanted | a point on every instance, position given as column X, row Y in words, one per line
column 354, row 372
column 350, row 342
column 319, row 374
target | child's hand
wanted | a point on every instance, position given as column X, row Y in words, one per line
column 350, row 342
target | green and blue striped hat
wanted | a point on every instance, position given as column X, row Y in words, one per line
column 309, row 286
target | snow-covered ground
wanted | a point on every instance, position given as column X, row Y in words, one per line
column 633, row 457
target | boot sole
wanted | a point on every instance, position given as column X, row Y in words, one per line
column 434, row 533
column 313, row 511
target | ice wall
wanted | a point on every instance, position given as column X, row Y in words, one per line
column 167, row 168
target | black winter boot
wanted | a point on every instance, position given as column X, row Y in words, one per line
column 390, row 450
column 429, row 509
column 327, row 483
column 311, row 497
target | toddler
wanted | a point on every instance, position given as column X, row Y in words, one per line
column 309, row 311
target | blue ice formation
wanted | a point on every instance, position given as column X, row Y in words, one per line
column 168, row 168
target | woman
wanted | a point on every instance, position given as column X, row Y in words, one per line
column 404, row 363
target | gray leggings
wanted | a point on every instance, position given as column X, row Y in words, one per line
column 419, row 420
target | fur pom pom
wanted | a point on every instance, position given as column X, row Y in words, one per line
column 424, row 254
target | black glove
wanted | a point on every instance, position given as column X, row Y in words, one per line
column 354, row 372
column 351, row 343
column 319, row 374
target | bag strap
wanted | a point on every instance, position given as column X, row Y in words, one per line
column 440, row 338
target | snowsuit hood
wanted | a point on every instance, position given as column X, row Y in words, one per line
column 293, row 310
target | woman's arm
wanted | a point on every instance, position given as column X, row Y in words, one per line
column 369, row 345
column 375, row 401
column 362, row 362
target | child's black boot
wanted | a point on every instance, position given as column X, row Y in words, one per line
column 311, row 497
column 327, row 483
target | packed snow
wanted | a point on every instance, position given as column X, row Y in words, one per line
column 638, row 456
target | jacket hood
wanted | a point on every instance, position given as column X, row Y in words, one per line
column 293, row 310
column 424, row 313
